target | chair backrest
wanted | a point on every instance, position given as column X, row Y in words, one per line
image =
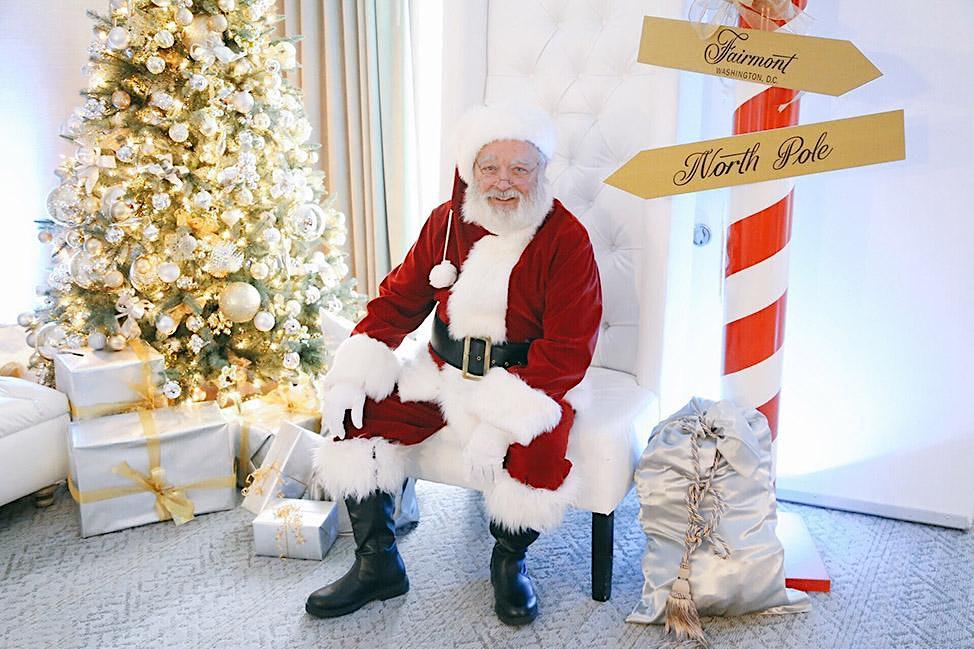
column 578, row 61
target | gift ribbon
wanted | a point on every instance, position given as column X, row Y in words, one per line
column 254, row 484
column 171, row 500
column 290, row 516
column 302, row 402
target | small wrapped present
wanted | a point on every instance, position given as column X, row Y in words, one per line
column 254, row 423
column 286, row 470
column 100, row 383
column 150, row 465
column 296, row 529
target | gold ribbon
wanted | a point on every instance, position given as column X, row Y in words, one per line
column 709, row 15
column 302, row 402
column 290, row 517
column 254, row 484
column 171, row 500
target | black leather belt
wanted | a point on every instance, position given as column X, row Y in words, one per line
column 475, row 355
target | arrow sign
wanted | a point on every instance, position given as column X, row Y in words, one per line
column 764, row 155
column 823, row 65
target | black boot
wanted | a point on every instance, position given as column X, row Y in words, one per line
column 514, row 600
column 378, row 571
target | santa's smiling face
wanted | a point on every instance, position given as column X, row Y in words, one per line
column 509, row 192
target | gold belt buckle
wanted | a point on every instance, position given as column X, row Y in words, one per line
column 466, row 358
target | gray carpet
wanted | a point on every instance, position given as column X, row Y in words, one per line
column 894, row 585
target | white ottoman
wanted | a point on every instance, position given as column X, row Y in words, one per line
column 33, row 437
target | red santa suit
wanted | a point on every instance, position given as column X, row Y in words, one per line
column 539, row 285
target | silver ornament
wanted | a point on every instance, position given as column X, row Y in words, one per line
column 291, row 360
column 155, row 65
column 118, row 38
column 117, row 342
column 96, row 340
column 264, row 321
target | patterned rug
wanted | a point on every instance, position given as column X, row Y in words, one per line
column 894, row 585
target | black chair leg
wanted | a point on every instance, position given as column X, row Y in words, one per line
column 603, row 530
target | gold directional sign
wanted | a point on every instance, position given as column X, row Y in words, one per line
column 764, row 155
column 822, row 65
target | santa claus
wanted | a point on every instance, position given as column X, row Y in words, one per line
column 511, row 276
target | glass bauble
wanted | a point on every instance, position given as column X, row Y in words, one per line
column 239, row 302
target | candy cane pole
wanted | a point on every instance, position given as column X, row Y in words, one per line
column 756, row 272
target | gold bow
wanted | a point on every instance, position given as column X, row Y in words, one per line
column 171, row 501
column 302, row 401
column 254, row 484
column 708, row 15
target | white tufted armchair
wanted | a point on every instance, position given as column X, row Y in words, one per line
column 577, row 60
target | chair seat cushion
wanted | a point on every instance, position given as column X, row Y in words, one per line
column 613, row 419
column 24, row 404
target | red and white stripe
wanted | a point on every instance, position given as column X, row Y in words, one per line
column 756, row 272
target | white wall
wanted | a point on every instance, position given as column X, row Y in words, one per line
column 874, row 411
column 42, row 48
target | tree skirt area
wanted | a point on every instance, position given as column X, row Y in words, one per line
column 199, row 585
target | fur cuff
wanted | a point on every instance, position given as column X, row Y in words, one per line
column 517, row 506
column 365, row 362
column 419, row 379
column 512, row 405
column 354, row 468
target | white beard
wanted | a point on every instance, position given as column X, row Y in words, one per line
column 530, row 211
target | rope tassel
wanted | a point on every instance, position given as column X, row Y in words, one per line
column 682, row 617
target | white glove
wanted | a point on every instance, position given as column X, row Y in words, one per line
column 339, row 398
column 485, row 452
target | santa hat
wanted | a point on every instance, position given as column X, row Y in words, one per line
column 482, row 125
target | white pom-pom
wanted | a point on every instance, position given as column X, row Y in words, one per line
column 443, row 274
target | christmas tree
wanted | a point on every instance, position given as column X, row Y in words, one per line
column 190, row 215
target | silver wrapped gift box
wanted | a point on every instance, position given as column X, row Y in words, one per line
column 296, row 529
column 150, row 465
column 100, row 383
column 286, row 470
column 253, row 425
column 751, row 578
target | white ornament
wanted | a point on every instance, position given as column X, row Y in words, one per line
column 239, row 302
column 271, row 236
column 118, row 38
column 117, row 343
column 202, row 199
column 292, row 308
column 227, row 5
column 291, row 326
column 160, row 201
column 242, row 67
column 225, row 258
column 444, row 274
column 243, row 102
column 184, row 16
column 259, row 270
column 262, row 120
column 164, row 39
column 96, row 340
column 178, row 132
column 243, row 196
column 155, row 65
column 151, row 232
column 231, row 216
column 291, row 360
column 264, row 321
column 166, row 324
column 168, row 272
column 26, row 319
column 313, row 294
column 194, row 322
column 113, row 279
column 171, row 390
column 198, row 82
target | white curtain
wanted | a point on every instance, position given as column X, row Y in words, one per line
column 370, row 77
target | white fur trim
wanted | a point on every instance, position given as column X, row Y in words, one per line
column 478, row 301
column 419, row 379
column 443, row 274
column 366, row 362
column 508, row 121
column 518, row 506
column 354, row 468
column 509, row 403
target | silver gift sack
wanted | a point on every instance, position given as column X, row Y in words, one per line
column 708, row 508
